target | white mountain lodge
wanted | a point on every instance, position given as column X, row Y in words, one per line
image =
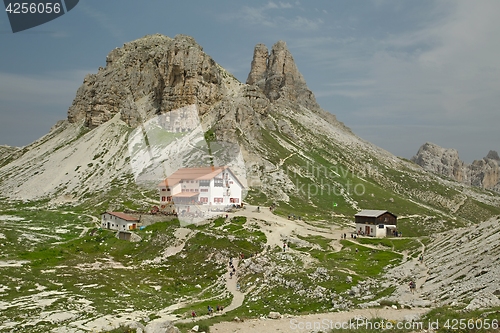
column 194, row 190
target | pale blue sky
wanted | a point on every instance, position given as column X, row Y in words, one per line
column 399, row 73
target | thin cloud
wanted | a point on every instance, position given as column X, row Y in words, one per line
column 102, row 19
column 276, row 15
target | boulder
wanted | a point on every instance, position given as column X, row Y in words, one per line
column 274, row 315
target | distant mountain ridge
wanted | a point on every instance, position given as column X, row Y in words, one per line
column 484, row 173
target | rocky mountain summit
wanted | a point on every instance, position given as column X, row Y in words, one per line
column 484, row 173
column 277, row 76
column 148, row 76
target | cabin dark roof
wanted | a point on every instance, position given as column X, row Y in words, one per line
column 372, row 213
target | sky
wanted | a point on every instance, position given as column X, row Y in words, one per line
column 398, row 73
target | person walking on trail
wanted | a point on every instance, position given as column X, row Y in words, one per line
column 193, row 314
column 284, row 247
column 413, row 285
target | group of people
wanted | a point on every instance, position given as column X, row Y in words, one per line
column 232, row 269
column 219, row 308
column 210, row 311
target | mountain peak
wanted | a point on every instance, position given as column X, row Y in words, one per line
column 493, row 155
column 481, row 173
column 146, row 77
column 277, row 75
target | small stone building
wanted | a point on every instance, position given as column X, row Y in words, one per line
column 376, row 223
column 118, row 221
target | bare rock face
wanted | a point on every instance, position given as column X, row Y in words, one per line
column 149, row 76
column 484, row 173
column 8, row 153
column 259, row 64
column 441, row 160
column 276, row 74
column 493, row 155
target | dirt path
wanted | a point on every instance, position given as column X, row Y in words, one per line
column 278, row 228
column 232, row 285
column 318, row 322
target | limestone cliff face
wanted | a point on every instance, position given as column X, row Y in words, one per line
column 441, row 160
column 482, row 173
column 149, row 76
column 277, row 76
column 157, row 74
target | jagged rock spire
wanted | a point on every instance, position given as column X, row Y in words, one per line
column 259, row 64
column 277, row 75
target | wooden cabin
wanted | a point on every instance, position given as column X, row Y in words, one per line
column 376, row 223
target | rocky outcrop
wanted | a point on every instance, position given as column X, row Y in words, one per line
column 277, row 76
column 8, row 153
column 459, row 267
column 481, row 173
column 148, row 76
column 259, row 64
column 441, row 160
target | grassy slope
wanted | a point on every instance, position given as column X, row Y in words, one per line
column 327, row 179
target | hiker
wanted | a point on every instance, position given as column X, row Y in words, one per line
column 227, row 216
column 231, row 274
column 210, row 310
column 413, row 285
column 258, row 209
column 284, row 247
column 421, row 258
column 193, row 314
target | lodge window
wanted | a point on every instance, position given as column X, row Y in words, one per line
column 381, row 226
column 218, row 182
column 163, row 198
column 204, row 182
column 203, row 189
column 163, row 189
